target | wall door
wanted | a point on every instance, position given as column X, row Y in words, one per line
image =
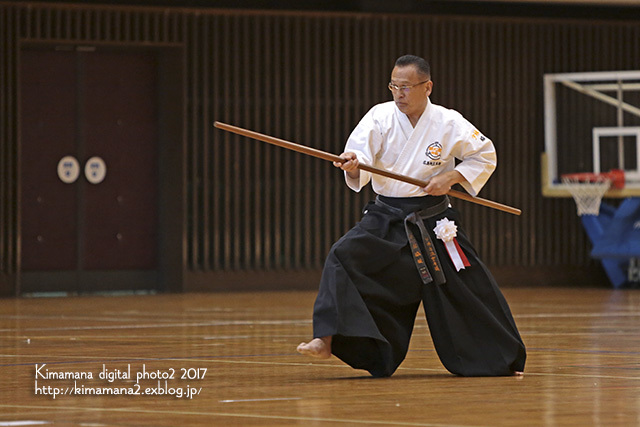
column 89, row 170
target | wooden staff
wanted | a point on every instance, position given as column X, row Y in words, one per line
column 333, row 158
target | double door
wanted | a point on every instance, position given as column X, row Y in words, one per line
column 88, row 170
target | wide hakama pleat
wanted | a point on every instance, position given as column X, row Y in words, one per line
column 370, row 292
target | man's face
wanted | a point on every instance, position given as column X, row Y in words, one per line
column 411, row 101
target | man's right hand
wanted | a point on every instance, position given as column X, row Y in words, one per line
column 350, row 165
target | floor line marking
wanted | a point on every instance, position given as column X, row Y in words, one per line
column 166, row 325
column 237, row 415
column 23, row 423
column 572, row 315
column 259, row 400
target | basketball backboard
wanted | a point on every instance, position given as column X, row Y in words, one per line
column 592, row 124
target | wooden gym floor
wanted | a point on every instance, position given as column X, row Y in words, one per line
column 232, row 356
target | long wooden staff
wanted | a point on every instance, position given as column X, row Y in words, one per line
column 333, row 158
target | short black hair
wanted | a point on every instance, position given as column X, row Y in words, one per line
column 420, row 63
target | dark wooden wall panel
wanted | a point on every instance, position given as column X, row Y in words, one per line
column 9, row 28
column 309, row 77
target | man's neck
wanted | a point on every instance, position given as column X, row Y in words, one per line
column 414, row 118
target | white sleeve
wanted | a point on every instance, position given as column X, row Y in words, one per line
column 364, row 141
column 478, row 160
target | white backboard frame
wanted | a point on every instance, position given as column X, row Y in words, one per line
column 616, row 131
column 597, row 85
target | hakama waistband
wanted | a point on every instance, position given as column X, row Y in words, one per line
column 431, row 272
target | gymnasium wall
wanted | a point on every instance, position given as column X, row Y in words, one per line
column 255, row 212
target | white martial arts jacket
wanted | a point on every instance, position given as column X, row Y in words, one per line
column 385, row 139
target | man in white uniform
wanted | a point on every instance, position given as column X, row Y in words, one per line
column 409, row 246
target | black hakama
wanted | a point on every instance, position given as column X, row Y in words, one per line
column 370, row 292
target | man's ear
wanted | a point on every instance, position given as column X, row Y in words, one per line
column 429, row 87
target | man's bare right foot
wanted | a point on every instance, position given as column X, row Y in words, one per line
column 317, row 347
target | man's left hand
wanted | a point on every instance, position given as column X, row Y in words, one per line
column 440, row 185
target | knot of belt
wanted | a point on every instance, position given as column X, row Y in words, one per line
column 429, row 268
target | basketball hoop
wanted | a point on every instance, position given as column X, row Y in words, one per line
column 587, row 189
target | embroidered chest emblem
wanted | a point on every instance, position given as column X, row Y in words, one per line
column 434, row 151
column 434, row 154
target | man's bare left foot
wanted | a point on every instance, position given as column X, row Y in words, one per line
column 317, row 347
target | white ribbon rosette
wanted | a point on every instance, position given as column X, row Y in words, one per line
column 447, row 231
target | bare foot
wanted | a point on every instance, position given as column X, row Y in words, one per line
column 317, row 347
